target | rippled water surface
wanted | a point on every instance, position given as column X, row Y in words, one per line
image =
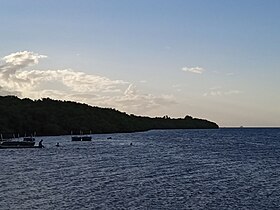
column 166, row 169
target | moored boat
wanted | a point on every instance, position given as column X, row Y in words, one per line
column 27, row 142
column 16, row 144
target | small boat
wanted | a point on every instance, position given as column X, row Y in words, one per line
column 81, row 138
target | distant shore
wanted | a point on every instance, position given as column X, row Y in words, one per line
column 48, row 117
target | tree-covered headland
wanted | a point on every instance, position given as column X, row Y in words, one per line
column 55, row 117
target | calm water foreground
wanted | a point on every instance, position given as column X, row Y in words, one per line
column 166, row 169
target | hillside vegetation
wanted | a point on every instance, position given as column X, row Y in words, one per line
column 54, row 117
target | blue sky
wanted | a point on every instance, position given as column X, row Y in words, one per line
column 210, row 59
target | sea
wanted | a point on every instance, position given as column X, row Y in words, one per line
column 226, row 168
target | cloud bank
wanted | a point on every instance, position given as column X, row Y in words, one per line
column 67, row 84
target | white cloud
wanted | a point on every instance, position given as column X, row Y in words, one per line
column 197, row 69
column 4, row 92
column 22, row 59
column 67, row 84
column 18, row 60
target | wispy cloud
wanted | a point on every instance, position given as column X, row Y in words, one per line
column 232, row 92
column 67, row 84
column 134, row 99
column 196, row 70
column 217, row 91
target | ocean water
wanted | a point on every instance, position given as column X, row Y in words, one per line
column 162, row 169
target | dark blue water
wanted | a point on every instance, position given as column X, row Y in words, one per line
column 169, row 169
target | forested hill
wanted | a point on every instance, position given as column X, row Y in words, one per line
column 53, row 117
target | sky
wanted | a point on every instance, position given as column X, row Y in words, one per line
column 210, row 59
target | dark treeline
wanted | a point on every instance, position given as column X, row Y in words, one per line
column 53, row 117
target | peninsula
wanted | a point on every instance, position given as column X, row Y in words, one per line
column 54, row 117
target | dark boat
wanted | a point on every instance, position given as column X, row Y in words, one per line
column 81, row 138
